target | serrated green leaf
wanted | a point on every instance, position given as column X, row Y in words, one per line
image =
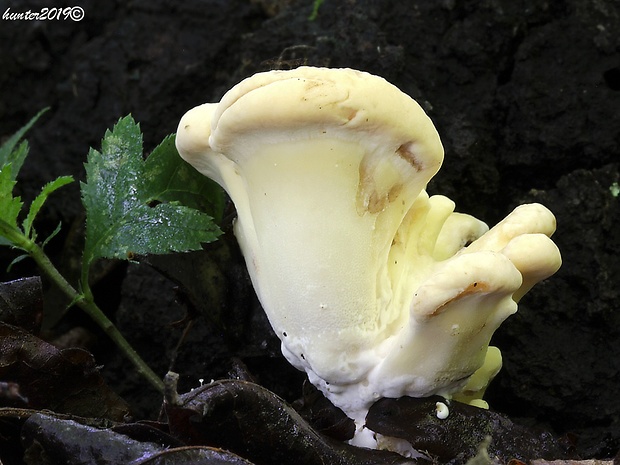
column 52, row 235
column 169, row 178
column 16, row 156
column 12, row 158
column 118, row 196
column 40, row 199
column 161, row 229
column 9, row 206
column 15, row 261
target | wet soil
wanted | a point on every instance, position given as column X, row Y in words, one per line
column 526, row 97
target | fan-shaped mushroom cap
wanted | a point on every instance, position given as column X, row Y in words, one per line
column 374, row 288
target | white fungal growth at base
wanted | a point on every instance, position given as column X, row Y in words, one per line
column 375, row 288
column 400, row 446
column 441, row 410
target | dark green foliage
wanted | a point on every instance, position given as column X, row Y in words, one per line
column 134, row 206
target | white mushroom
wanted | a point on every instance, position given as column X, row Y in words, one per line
column 368, row 282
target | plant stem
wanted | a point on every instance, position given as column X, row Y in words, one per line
column 82, row 300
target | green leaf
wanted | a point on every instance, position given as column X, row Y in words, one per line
column 38, row 202
column 169, row 178
column 119, row 194
column 16, row 156
column 16, row 260
column 12, row 158
column 52, row 235
column 9, row 206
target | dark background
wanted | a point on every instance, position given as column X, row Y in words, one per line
column 526, row 97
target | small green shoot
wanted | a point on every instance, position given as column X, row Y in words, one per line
column 133, row 206
column 12, row 156
column 16, row 156
column 315, row 9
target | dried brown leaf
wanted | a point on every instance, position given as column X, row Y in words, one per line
column 65, row 381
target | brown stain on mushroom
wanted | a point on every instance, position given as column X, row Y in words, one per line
column 478, row 287
column 350, row 113
column 311, row 84
column 369, row 199
column 376, row 203
column 363, row 199
column 394, row 192
column 405, row 151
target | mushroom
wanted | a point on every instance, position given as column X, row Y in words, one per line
column 374, row 288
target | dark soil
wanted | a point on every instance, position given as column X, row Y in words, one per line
column 526, row 97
